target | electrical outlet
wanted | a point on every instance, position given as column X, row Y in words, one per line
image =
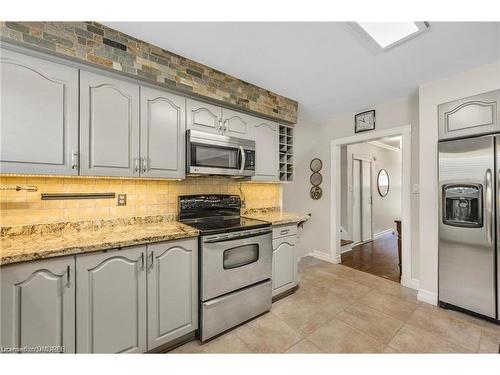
column 243, row 203
column 122, row 200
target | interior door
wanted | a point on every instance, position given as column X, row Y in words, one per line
column 356, row 200
column 366, row 200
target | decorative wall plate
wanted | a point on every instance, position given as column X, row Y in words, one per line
column 316, row 165
column 316, row 192
column 316, row 179
column 383, row 182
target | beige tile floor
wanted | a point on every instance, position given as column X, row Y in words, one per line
column 341, row 310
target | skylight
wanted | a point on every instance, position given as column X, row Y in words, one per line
column 388, row 34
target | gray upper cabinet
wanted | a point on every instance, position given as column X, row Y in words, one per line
column 237, row 124
column 470, row 116
column 163, row 125
column 39, row 117
column 203, row 116
column 38, row 304
column 266, row 150
column 109, row 126
column 172, row 290
column 111, row 301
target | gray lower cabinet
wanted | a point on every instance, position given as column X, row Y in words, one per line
column 285, row 275
column 109, row 126
column 172, row 290
column 266, row 150
column 163, row 125
column 111, row 301
column 38, row 304
column 39, row 117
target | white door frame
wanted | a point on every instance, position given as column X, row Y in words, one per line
column 368, row 160
column 335, row 193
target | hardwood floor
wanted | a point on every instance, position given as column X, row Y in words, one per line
column 378, row 257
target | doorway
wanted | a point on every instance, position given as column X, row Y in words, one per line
column 337, row 194
column 361, row 200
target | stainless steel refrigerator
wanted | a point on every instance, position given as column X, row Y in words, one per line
column 469, row 234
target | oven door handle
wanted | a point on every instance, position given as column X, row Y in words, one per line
column 243, row 161
column 217, row 240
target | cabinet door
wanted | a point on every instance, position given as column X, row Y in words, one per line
column 284, row 264
column 109, row 126
column 38, row 304
column 237, row 124
column 266, row 151
column 39, row 117
column 474, row 115
column 163, row 125
column 203, row 116
column 111, row 301
column 172, row 290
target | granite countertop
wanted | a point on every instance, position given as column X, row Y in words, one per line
column 32, row 242
column 277, row 217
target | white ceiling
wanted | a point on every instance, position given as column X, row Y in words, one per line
column 391, row 141
column 327, row 67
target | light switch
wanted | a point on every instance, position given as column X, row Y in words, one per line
column 122, row 200
column 415, row 189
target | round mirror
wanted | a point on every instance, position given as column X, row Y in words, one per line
column 316, row 165
column 383, row 182
column 316, row 179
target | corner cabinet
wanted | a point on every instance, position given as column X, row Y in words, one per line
column 39, row 117
column 266, row 150
column 163, row 125
column 172, row 291
column 109, row 126
column 285, row 274
column 474, row 115
column 38, row 304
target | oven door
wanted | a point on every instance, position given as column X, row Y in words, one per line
column 219, row 155
column 235, row 260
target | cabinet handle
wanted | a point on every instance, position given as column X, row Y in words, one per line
column 142, row 261
column 285, row 231
column 225, row 126
column 220, row 125
column 74, row 159
column 68, row 278
column 136, row 165
column 144, row 165
column 152, row 260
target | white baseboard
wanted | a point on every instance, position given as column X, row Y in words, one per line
column 345, row 249
column 323, row 256
column 410, row 283
column 427, row 297
column 380, row 234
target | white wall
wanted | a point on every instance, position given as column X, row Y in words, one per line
column 384, row 209
column 476, row 81
column 313, row 140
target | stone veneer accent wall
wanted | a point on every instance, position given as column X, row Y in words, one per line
column 103, row 46
column 144, row 197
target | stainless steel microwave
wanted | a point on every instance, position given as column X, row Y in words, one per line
column 215, row 154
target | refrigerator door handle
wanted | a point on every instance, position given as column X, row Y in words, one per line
column 489, row 210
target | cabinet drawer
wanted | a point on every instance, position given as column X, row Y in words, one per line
column 223, row 313
column 284, row 230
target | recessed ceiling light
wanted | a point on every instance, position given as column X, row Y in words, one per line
column 389, row 34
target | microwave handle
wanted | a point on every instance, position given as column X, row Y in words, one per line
column 243, row 161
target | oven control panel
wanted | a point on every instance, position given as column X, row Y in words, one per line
column 212, row 201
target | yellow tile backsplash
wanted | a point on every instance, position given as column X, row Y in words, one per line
column 144, row 197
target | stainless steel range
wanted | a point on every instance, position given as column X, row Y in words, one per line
column 235, row 261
